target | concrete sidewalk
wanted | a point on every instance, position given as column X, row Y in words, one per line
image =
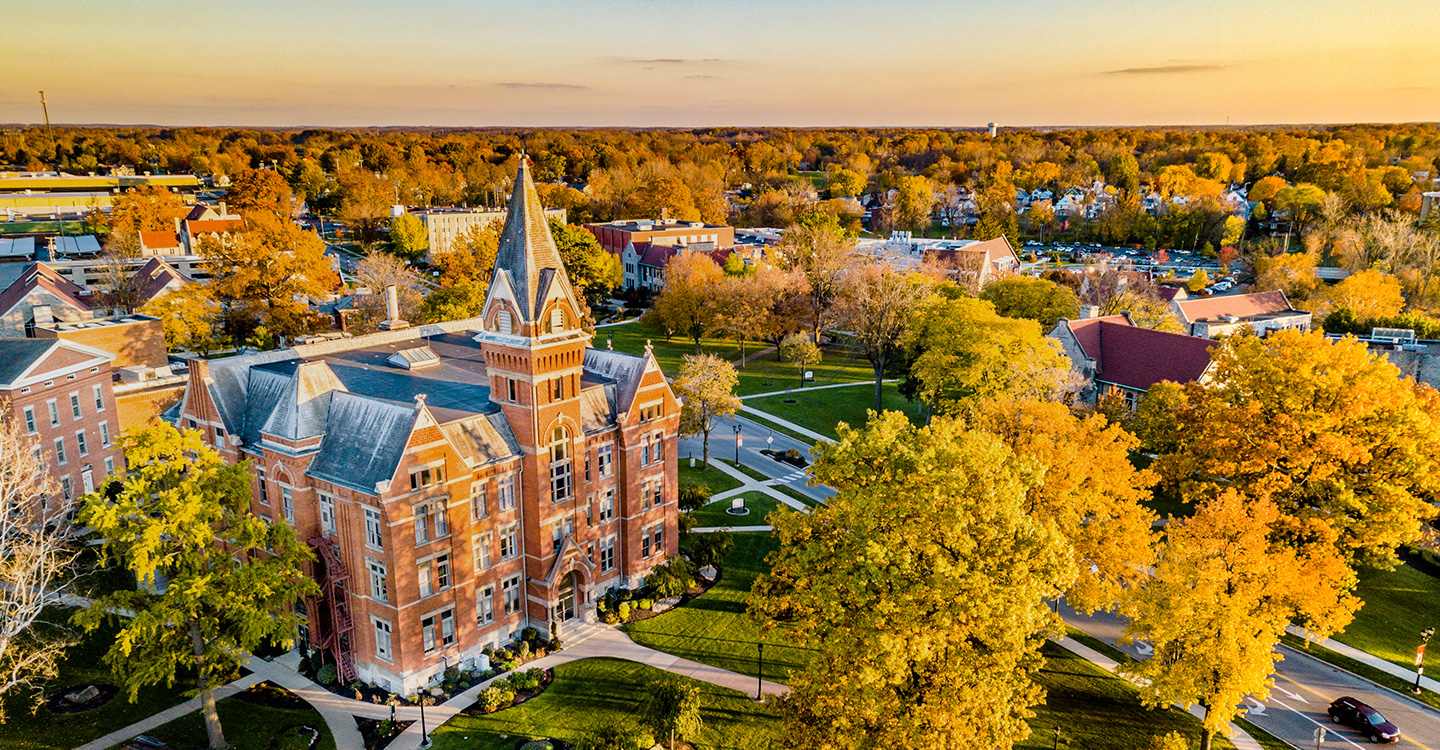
column 1369, row 660
column 170, row 714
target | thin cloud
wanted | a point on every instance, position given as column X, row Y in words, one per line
column 699, row 78
column 1167, row 69
column 553, row 86
column 650, row 62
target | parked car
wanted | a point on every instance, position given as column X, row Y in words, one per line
column 145, row 742
column 1352, row 712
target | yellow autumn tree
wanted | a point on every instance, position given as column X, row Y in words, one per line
column 1090, row 493
column 1343, row 445
column 1291, row 273
column 919, row 588
column 1219, row 600
column 1369, row 294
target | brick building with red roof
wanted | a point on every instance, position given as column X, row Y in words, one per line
column 1113, row 354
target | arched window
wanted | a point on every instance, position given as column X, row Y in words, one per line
column 502, row 321
column 557, row 320
column 561, row 481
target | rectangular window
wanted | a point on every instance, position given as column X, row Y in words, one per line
column 607, row 554
column 327, row 514
column 75, row 405
column 60, row 451
column 485, row 606
column 422, row 526
column 382, row 640
column 423, row 576
column 650, row 413
column 427, row 634
column 506, row 493
column 657, row 493
column 561, row 485
column 440, row 519
column 510, row 389
column 511, row 589
column 645, row 452
column 99, row 398
column 105, row 434
column 644, row 544
column 80, row 443
column 65, row 487
column 109, row 466
column 287, row 503
column 373, row 536
column 219, row 436
column 479, row 503
column 606, row 459
column 659, row 543
column 264, row 491
column 377, row 580
column 557, row 389
column 587, row 468
column 508, row 543
column 482, row 552
column 607, row 505
column 427, row 476
column 30, row 420
column 447, row 627
column 442, row 572
column 54, row 413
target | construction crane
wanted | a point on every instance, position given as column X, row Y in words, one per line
column 49, row 134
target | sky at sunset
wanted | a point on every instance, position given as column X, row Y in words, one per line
column 720, row 62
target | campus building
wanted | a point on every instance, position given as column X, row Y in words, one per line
column 459, row 481
column 446, row 225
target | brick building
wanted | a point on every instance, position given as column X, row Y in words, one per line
column 615, row 236
column 460, row 481
column 61, row 393
column 445, row 225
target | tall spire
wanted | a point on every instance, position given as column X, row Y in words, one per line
column 527, row 249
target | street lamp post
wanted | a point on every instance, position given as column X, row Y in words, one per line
column 1420, row 656
column 737, row 444
column 760, row 674
column 424, row 734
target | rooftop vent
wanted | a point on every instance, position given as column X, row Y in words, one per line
column 414, row 359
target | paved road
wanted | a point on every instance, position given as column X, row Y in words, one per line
column 1304, row 687
column 753, row 438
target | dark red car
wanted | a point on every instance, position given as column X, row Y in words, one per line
column 1349, row 711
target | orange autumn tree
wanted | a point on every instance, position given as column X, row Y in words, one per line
column 1222, row 592
column 1089, row 493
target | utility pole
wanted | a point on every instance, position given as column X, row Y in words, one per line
column 49, row 134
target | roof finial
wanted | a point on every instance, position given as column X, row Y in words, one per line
column 419, row 399
column 649, row 348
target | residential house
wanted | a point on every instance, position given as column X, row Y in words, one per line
column 460, row 481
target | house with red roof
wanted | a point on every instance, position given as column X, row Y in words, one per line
column 156, row 279
column 1112, row 354
column 41, row 295
column 1261, row 312
column 644, row 261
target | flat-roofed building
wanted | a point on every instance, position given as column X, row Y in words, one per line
column 445, row 225
column 615, row 236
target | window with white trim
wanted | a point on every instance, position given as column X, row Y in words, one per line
column 559, row 532
column 327, row 514
column 505, row 493
column 30, row 420
column 81, row 444
column 561, row 482
column 105, row 434
column 431, row 521
column 382, row 639
column 509, row 543
column 109, row 465
column 479, row 501
column 607, row 505
column 373, row 529
column 75, row 405
column 378, row 590
column 482, row 551
column 54, row 412
column 287, row 503
column 438, row 630
column 99, row 398
column 60, row 451
column 65, row 487
column 607, row 554
column 510, row 587
column 485, row 606
column 422, row 575
column 264, row 491
column 427, row 476
column 606, row 460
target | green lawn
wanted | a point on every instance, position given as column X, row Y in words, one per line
column 821, row 410
column 760, row 375
column 1095, row 710
column 713, row 628
column 590, row 694
column 760, row 504
column 247, row 727
column 715, row 479
column 36, row 227
column 43, row 730
column 1398, row 605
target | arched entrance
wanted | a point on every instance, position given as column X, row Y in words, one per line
column 568, row 598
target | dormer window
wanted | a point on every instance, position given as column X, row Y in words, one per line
column 557, row 320
column 502, row 321
column 427, row 476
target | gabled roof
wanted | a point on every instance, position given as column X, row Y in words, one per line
column 155, row 277
column 365, row 439
column 483, row 438
column 1240, row 305
column 22, row 360
column 625, row 370
column 215, row 226
column 657, row 255
column 43, row 277
column 527, row 247
column 162, row 240
column 992, row 251
column 1138, row 358
column 1087, row 332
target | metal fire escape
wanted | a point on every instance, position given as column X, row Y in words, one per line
column 336, row 626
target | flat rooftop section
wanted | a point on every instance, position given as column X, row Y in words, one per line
column 85, row 325
column 19, row 181
column 456, row 388
column 647, row 225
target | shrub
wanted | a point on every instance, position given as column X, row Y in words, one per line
column 326, row 675
column 693, row 495
column 684, row 522
column 609, row 618
column 537, row 745
column 554, row 644
column 709, row 549
column 672, row 578
column 529, row 635
column 624, row 594
column 384, row 727
column 516, row 681
column 613, row 737
column 645, row 604
column 624, row 611
column 305, row 664
column 522, row 651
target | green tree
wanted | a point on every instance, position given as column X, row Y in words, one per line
column 182, row 515
column 1123, row 172
column 619, row 736
column 799, row 349
column 1042, row 301
column 845, row 183
column 670, row 707
column 706, row 388
column 408, row 238
column 919, row 588
column 914, row 199
column 821, row 250
column 596, row 272
column 457, row 302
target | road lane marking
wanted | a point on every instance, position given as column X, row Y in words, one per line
column 1254, row 707
column 1292, row 695
column 1306, row 717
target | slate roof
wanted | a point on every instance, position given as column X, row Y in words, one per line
column 1243, row 306
column 40, row 276
column 364, row 441
column 17, row 355
column 1138, row 358
column 483, row 439
column 1087, row 332
column 624, row 369
column 526, row 246
column 154, row 278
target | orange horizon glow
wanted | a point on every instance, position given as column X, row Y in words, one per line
column 722, row 63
